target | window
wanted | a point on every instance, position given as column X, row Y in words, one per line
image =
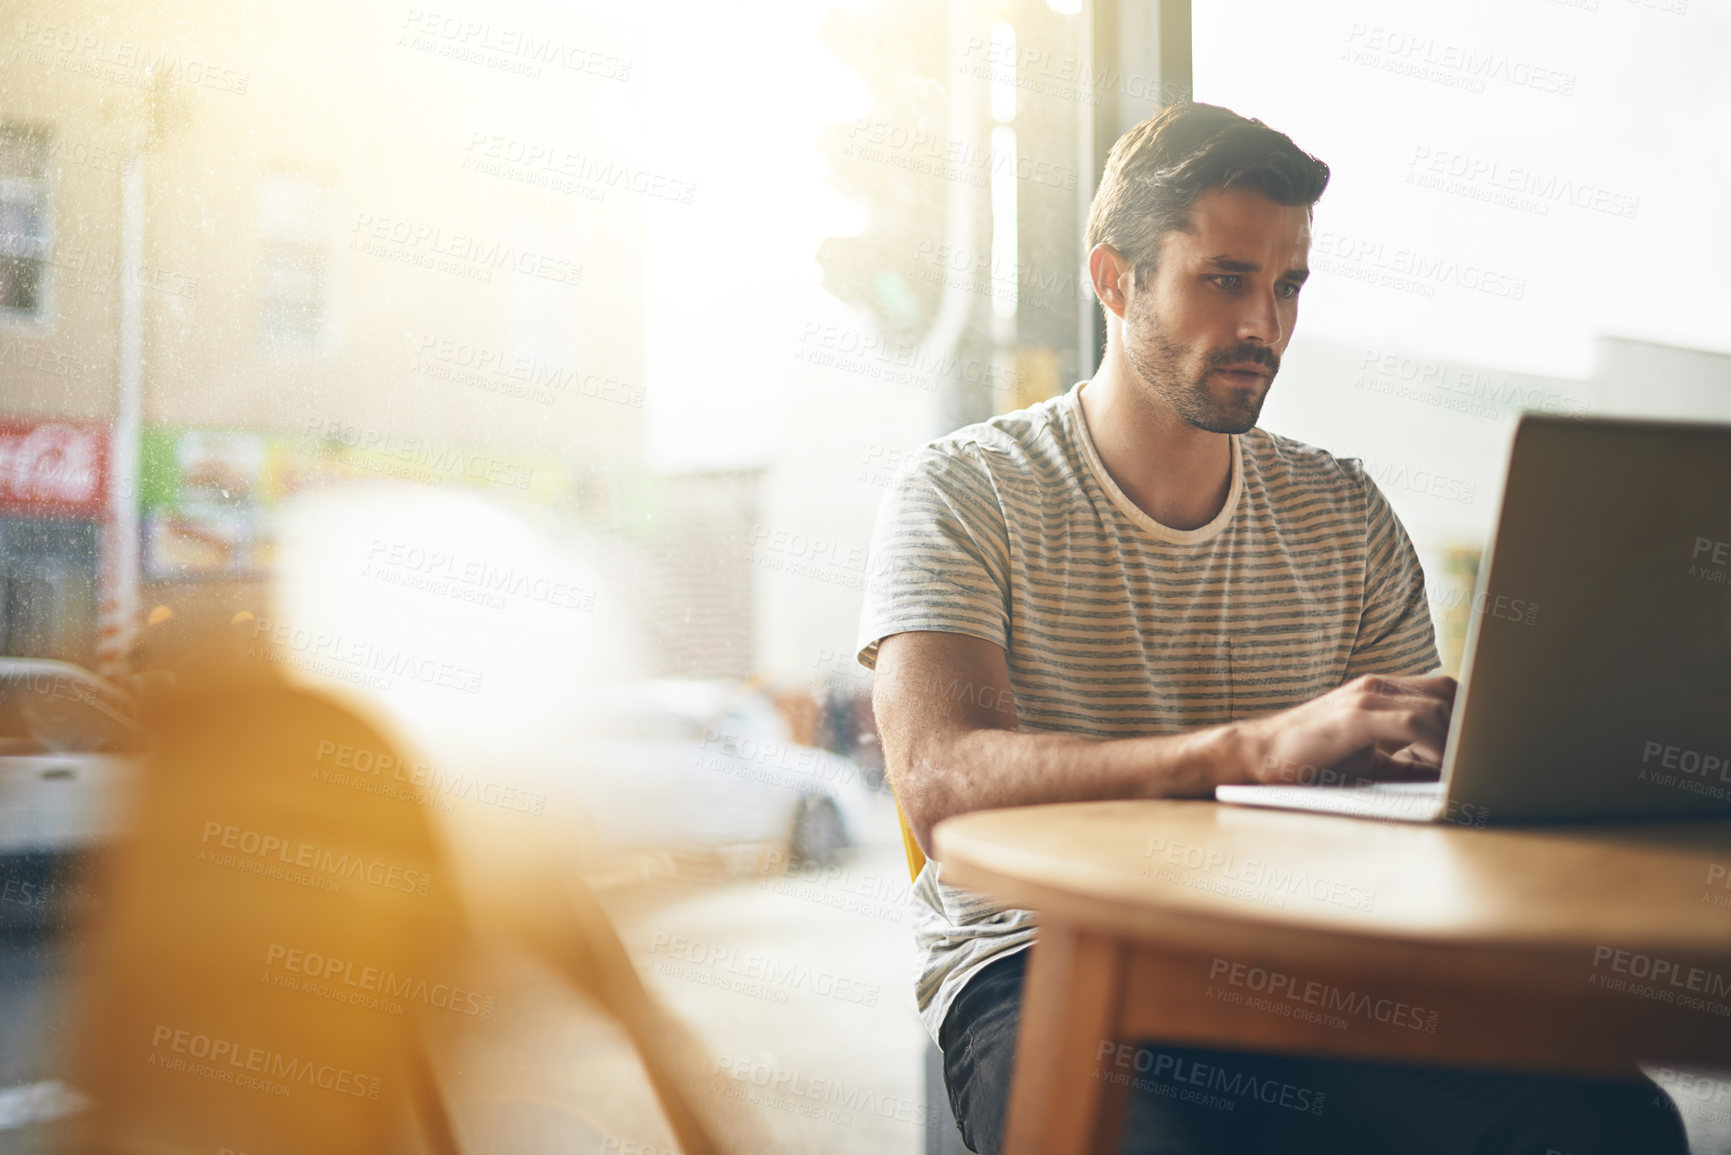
column 295, row 291
column 26, row 236
column 1487, row 244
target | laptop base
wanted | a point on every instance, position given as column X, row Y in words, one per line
column 1388, row 801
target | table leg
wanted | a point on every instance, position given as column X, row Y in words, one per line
column 1061, row 1101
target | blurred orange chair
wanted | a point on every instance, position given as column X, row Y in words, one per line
column 269, row 944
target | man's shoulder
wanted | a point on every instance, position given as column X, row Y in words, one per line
column 988, row 452
column 1286, row 463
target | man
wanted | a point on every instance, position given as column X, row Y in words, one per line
column 1130, row 591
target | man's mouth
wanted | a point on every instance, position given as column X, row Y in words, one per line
column 1244, row 374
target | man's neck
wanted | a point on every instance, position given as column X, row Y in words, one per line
column 1175, row 473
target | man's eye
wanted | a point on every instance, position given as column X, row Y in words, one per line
column 1227, row 280
column 1288, row 290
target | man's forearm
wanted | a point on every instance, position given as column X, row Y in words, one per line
column 987, row 769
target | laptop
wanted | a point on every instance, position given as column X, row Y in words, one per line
column 1596, row 679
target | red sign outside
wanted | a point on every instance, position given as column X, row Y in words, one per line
column 53, row 468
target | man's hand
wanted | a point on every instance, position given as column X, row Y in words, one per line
column 1372, row 727
column 946, row 711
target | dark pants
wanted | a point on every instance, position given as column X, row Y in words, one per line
column 1185, row 1100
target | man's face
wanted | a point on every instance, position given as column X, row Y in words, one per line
column 1207, row 331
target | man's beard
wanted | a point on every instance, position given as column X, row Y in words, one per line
column 1159, row 360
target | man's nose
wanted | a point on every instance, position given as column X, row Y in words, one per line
column 1260, row 320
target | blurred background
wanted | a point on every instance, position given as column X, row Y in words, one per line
column 527, row 375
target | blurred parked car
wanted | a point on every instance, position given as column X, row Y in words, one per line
column 681, row 765
column 69, row 751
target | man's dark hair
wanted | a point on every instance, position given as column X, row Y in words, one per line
column 1158, row 169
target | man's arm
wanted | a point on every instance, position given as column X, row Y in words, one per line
column 947, row 717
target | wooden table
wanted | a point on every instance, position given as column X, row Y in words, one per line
column 1561, row 949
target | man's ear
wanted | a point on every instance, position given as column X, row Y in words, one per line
column 1111, row 273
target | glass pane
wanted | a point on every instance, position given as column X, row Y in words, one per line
column 23, row 152
column 20, row 284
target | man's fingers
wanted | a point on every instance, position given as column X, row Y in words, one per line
column 1373, row 726
column 1440, row 687
column 1418, row 751
column 1358, row 764
column 1406, row 765
column 1429, row 715
column 1427, row 752
column 1406, row 722
column 1366, row 764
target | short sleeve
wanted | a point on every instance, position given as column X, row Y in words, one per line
column 1395, row 634
column 939, row 555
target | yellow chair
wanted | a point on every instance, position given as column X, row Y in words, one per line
column 916, row 856
column 944, row 1138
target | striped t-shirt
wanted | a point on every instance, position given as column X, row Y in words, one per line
column 1114, row 625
